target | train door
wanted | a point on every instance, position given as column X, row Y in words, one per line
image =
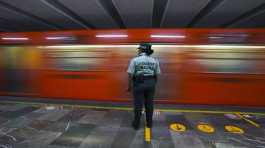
column 2, row 80
column 225, row 76
column 169, row 87
column 76, row 73
column 19, row 70
column 14, row 74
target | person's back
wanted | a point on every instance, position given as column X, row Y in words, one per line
column 143, row 70
column 145, row 65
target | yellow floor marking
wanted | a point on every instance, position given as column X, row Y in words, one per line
column 147, row 134
column 206, row 128
column 248, row 120
column 177, row 127
column 129, row 108
column 234, row 129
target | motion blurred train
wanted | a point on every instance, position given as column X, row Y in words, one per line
column 199, row 66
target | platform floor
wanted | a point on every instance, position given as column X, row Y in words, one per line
column 57, row 126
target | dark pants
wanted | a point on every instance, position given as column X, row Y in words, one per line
column 144, row 94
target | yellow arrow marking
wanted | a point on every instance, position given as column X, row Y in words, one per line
column 234, row 129
column 178, row 127
column 206, row 128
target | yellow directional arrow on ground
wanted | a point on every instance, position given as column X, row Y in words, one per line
column 178, row 127
column 206, row 128
column 234, row 129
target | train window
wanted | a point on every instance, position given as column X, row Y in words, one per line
column 13, row 57
column 230, row 55
column 77, row 60
column 77, row 64
column 227, row 65
column 227, row 62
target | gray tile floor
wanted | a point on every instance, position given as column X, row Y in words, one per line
column 56, row 126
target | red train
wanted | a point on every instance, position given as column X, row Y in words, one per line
column 199, row 66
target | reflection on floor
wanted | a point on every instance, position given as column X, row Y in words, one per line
column 46, row 126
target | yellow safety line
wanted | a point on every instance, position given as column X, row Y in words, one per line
column 208, row 111
column 248, row 120
column 130, row 108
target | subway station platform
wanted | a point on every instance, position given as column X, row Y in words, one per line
column 42, row 125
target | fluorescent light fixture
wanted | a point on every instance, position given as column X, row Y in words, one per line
column 223, row 46
column 167, row 36
column 155, row 46
column 87, row 46
column 112, row 36
column 15, row 38
column 59, row 38
column 215, row 37
column 225, row 35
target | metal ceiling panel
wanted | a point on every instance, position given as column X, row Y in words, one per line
column 45, row 15
column 257, row 20
column 227, row 11
column 20, row 21
column 43, row 11
column 179, row 13
column 92, row 12
column 135, row 13
column 5, row 25
column 3, row 28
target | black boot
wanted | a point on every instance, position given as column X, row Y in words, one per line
column 137, row 119
column 149, row 119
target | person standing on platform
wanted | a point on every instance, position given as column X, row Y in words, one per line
column 143, row 71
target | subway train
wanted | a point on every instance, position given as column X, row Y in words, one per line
column 199, row 66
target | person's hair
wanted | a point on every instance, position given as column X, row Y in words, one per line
column 147, row 50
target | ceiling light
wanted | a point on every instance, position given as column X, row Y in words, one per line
column 156, row 46
column 88, row 46
column 112, row 36
column 15, row 38
column 59, row 38
column 167, row 36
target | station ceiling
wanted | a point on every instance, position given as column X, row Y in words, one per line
column 48, row 15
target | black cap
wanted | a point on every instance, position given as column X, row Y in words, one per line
column 147, row 48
